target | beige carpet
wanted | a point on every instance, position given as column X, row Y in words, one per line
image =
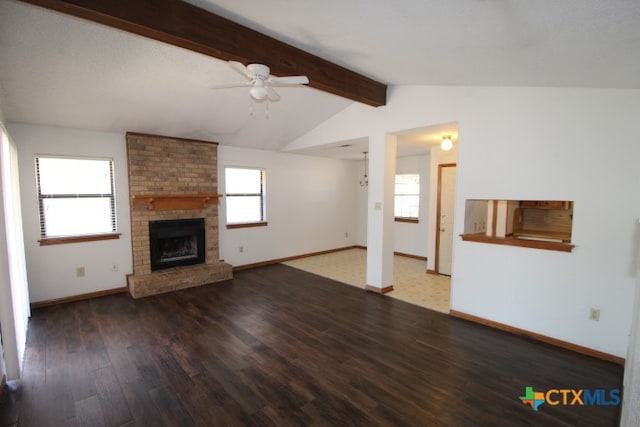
column 410, row 281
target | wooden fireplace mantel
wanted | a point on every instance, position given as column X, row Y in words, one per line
column 168, row 202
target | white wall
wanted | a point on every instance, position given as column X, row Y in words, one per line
column 630, row 415
column 4, row 281
column 51, row 269
column 14, row 296
column 6, row 304
column 4, row 275
column 310, row 205
column 409, row 238
column 533, row 143
column 361, row 209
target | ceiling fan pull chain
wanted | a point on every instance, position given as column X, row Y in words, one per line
column 266, row 110
column 250, row 107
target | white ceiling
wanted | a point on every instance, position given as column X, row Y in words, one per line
column 411, row 142
column 558, row 43
column 62, row 71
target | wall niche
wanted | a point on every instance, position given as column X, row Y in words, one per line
column 540, row 224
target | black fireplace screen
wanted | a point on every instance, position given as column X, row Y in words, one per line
column 176, row 243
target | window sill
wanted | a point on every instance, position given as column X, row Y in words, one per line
column 524, row 243
column 78, row 239
column 410, row 220
column 247, row 225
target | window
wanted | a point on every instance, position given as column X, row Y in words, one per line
column 76, row 197
column 407, row 197
column 245, row 197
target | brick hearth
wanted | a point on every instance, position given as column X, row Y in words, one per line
column 161, row 165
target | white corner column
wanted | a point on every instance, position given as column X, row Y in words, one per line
column 382, row 169
column 630, row 415
column 14, row 296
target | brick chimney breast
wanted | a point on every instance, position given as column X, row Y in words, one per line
column 165, row 166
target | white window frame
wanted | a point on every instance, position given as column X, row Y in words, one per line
column 396, row 195
column 262, row 221
column 47, row 238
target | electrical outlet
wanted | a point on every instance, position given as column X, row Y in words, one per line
column 241, row 249
column 114, row 267
column 594, row 314
column 80, row 272
column 346, row 234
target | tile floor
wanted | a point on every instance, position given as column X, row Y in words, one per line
column 411, row 283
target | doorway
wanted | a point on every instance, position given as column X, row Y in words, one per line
column 444, row 216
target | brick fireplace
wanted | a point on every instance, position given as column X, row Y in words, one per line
column 173, row 180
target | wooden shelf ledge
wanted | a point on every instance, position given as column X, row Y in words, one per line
column 169, row 202
column 523, row 243
column 543, row 235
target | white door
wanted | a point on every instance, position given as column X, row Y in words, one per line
column 446, row 204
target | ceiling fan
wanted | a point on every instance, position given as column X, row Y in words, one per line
column 261, row 82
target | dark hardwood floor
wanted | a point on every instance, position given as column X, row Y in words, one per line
column 279, row 346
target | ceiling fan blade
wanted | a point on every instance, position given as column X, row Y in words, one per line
column 272, row 95
column 239, row 67
column 289, row 80
column 229, row 85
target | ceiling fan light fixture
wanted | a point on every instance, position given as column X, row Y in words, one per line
column 447, row 143
column 258, row 92
column 261, row 82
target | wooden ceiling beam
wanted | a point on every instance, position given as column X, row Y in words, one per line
column 187, row 26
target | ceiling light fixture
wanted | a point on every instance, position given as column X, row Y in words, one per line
column 446, row 143
column 364, row 182
column 258, row 91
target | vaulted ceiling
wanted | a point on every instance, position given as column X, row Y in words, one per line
column 60, row 70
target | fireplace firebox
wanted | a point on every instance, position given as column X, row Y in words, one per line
column 176, row 243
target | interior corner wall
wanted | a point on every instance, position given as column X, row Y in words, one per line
column 7, row 323
column 51, row 269
column 4, row 276
column 14, row 299
column 630, row 415
column 533, row 143
column 3, row 366
column 361, row 210
column 310, row 206
column 409, row 238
